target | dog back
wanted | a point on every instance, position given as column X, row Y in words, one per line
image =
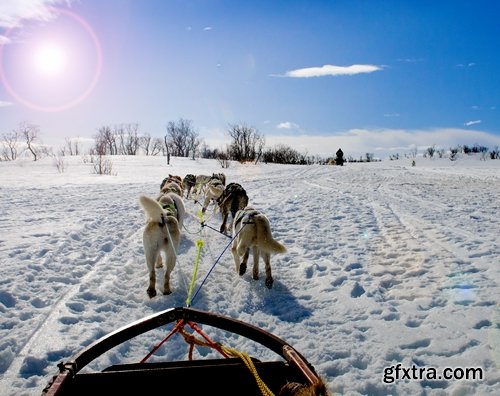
column 189, row 180
column 235, row 195
column 252, row 225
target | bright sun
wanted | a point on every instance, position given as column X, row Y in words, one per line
column 50, row 59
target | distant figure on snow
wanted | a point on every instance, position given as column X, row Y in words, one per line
column 340, row 157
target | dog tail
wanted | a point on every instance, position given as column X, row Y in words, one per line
column 152, row 208
column 267, row 242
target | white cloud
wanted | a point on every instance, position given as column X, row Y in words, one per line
column 287, row 125
column 410, row 60
column 4, row 40
column 331, row 70
column 469, row 123
column 13, row 11
column 391, row 115
column 5, row 104
column 207, row 28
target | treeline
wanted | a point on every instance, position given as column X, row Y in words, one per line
column 246, row 144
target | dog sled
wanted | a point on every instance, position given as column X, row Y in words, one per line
column 235, row 373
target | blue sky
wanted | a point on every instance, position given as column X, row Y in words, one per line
column 367, row 76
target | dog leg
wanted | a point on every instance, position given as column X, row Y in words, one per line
column 236, row 256
column 170, row 264
column 256, row 254
column 205, row 204
column 151, row 256
column 243, row 265
column 152, row 283
column 269, row 276
column 223, row 225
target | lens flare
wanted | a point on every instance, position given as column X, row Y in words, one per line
column 51, row 67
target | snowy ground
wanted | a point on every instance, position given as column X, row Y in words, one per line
column 386, row 264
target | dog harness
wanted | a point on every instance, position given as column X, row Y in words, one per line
column 171, row 210
column 230, row 188
column 248, row 213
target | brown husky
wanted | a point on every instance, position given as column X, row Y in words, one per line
column 251, row 229
column 161, row 234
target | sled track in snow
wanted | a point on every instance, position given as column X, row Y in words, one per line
column 78, row 240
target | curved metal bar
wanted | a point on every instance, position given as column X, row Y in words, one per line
column 270, row 341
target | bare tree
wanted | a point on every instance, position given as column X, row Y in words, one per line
column 145, row 143
column 193, row 143
column 30, row 133
column 119, row 136
column 131, row 139
column 156, row 146
column 10, row 142
column 102, row 165
column 180, row 137
column 150, row 146
column 72, row 147
column 128, row 138
column 246, row 142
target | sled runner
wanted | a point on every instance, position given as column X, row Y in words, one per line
column 235, row 373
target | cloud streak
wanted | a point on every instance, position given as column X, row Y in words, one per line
column 287, row 125
column 469, row 123
column 13, row 11
column 331, row 70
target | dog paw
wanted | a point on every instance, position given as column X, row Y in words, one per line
column 167, row 292
column 243, row 269
column 269, row 283
column 151, row 293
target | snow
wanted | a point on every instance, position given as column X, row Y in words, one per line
column 387, row 263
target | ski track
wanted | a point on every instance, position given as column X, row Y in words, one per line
column 370, row 275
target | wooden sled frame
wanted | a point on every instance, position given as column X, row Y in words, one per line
column 211, row 376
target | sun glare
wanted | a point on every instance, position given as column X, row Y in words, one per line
column 50, row 59
column 53, row 66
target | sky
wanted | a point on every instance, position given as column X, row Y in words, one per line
column 367, row 76
column 387, row 264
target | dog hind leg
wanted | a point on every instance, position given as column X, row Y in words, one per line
column 151, row 256
column 170, row 264
column 236, row 256
column 243, row 265
column 256, row 255
column 269, row 276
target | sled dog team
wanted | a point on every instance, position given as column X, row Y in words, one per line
column 165, row 215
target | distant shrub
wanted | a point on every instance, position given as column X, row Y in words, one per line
column 102, row 165
column 60, row 163
column 495, row 153
column 453, row 153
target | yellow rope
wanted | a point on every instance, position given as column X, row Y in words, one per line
column 199, row 245
column 249, row 363
column 247, row 360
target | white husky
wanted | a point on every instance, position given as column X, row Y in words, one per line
column 251, row 229
column 162, row 233
column 213, row 191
